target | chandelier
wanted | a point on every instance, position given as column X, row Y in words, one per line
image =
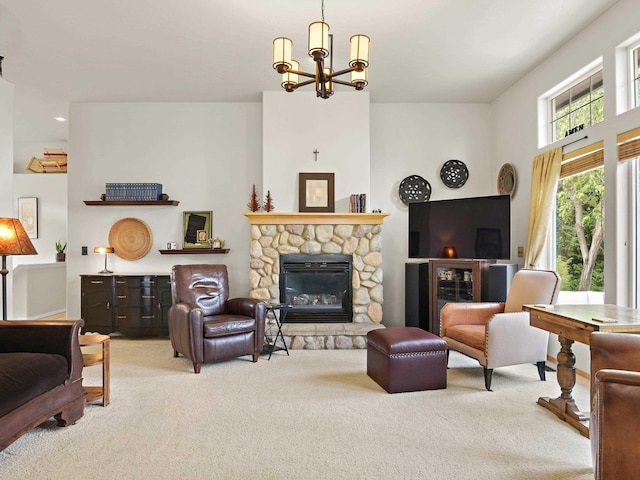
column 320, row 49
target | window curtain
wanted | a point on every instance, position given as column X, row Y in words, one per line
column 544, row 184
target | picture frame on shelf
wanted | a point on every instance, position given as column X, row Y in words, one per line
column 28, row 215
column 196, row 229
column 316, row 192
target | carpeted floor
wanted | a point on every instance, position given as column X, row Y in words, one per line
column 315, row 414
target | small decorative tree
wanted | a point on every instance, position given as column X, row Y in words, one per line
column 268, row 202
column 254, row 203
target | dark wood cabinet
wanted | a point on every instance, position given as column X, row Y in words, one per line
column 455, row 281
column 133, row 305
column 97, row 303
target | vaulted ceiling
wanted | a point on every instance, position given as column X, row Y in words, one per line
column 65, row 51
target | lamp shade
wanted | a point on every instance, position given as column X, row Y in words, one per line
column 319, row 39
column 359, row 79
column 13, row 238
column 449, row 252
column 359, row 51
column 282, row 48
column 289, row 79
column 103, row 250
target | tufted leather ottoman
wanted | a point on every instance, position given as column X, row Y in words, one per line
column 406, row 359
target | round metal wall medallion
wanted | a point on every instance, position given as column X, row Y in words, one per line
column 454, row 173
column 414, row 188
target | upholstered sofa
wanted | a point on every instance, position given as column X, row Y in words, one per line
column 40, row 376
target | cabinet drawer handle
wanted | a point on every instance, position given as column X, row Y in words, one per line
column 108, row 305
column 122, row 316
column 148, row 316
column 150, row 282
column 148, row 296
column 122, row 296
column 97, row 282
column 121, row 282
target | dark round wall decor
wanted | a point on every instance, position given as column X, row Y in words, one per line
column 454, row 173
column 414, row 188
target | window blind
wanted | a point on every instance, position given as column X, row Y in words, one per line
column 629, row 145
column 582, row 160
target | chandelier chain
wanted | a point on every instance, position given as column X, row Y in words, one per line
column 322, row 11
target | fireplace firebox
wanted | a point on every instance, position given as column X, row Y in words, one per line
column 318, row 287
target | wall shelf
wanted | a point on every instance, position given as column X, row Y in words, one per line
column 101, row 203
column 194, row 251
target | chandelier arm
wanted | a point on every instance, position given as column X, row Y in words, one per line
column 342, row 82
column 304, row 74
column 341, row 72
column 306, row 82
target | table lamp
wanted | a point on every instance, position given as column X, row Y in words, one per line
column 13, row 241
column 449, row 252
column 105, row 251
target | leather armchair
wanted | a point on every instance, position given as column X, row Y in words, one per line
column 498, row 334
column 204, row 324
column 615, row 395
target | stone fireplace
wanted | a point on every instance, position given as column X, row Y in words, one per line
column 320, row 236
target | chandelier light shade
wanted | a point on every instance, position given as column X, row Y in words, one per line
column 14, row 240
column 290, row 79
column 321, row 49
column 282, row 48
column 319, row 39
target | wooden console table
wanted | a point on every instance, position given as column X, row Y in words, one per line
column 575, row 323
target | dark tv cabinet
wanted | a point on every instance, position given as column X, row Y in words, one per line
column 454, row 280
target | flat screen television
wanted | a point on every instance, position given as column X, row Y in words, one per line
column 477, row 227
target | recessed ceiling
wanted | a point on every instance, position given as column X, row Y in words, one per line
column 467, row 51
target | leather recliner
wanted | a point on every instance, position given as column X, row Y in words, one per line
column 204, row 324
column 614, row 428
column 498, row 334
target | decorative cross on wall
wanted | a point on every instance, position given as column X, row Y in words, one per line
column 316, row 152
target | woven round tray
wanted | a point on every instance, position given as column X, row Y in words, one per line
column 130, row 238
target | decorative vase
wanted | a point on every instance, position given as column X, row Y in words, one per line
column 61, row 257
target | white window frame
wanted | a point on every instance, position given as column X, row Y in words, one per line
column 550, row 123
column 634, row 82
column 545, row 115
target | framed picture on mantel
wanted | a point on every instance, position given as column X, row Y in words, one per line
column 316, row 192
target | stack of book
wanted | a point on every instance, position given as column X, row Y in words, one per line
column 133, row 191
column 358, row 203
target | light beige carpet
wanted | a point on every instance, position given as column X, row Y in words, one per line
column 315, row 414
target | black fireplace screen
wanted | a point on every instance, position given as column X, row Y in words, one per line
column 318, row 287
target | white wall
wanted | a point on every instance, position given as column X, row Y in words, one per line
column 206, row 155
column 514, row 139
column 51, row 192
column 6, row 167
column 416, row 139
column 296, row 124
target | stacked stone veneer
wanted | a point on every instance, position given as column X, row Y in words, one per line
column 363, row 242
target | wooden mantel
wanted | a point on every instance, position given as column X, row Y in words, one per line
column 293, row 218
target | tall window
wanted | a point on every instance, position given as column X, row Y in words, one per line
column 580, row 220
column 635, row 75
column 629, row 149
column 577, row 107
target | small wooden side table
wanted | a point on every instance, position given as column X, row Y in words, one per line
column 89, row 359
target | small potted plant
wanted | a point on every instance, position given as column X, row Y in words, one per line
column 60, row 248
